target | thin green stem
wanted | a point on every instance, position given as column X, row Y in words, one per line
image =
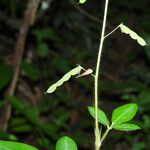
column 112, row 31
column 104, row 136
column 97, row 133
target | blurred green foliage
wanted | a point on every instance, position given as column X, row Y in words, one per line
column 61, row 38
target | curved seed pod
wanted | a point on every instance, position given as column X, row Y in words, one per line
column 65, row 78
column 133, row 35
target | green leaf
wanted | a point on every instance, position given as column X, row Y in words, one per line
column 7, row 136
column 6, row 74
column 46, row 33
column 65, row 78
column 30, row 70
column 124, row 113
column 22, row 128
column 42, row 49
column 126, row 127
column 139, row 146
column 144, row 96
column 132, row 34
column 102, row 118
column 146, row 122
column 82, row 1
column 30, row 112
column 16, row 103
column 5, row 145
column 66, row 143
column 17, row 121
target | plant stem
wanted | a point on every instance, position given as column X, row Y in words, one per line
column 112, row 31
column 104, row 136
column 97, row 133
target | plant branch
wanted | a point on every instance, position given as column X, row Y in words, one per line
column 105, row 134
column 97, row 133
column 85, row 13
column 112, row 31
column 29, row 17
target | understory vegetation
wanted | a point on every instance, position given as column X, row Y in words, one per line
column 37, row 48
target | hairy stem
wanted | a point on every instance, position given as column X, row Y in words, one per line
column 97, row 133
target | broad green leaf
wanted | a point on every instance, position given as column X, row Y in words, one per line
column 124, row 113
column 102, row 118
column 132, row 34
column 66, row 143
column 82, row 1
column 6, row 145
column 65, row 78
column 126, row 127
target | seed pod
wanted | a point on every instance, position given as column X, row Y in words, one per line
column 65, row 78
column 133, row 35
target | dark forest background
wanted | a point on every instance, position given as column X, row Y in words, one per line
column 42, row 40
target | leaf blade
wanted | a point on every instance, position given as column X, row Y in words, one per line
column 102, row 118
column 6, row 145
column 126, row 127
column 124, row 113
column 66, row 143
